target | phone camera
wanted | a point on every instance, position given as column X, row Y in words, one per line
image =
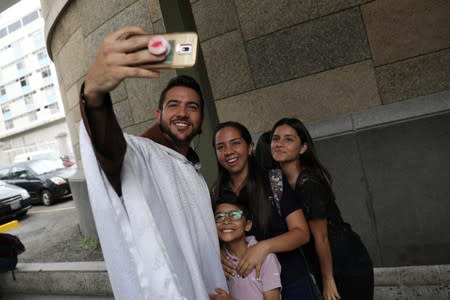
column 185, row 48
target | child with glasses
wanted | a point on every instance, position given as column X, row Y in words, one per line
column 232, row 222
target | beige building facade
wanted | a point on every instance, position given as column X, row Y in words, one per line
column 370, row 78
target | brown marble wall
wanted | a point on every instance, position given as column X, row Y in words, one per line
column 308, row 59
column 254, row 47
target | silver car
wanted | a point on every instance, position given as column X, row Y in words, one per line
column 14, row 201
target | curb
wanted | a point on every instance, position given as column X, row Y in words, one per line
column 91, row 279
column 71, row 278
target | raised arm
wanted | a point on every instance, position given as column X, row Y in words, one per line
column 115, row 61
column 320, row 232
column 296, row 236
column 315, row 197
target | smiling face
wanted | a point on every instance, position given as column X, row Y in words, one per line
column 181, row 116
column 230, row 230
column 286, row 145
column 232, row 151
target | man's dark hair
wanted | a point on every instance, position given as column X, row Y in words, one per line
column 185, row 81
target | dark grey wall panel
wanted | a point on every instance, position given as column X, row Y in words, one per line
column 407, row 167
column 340, row 156
column 393, row 185
column 308, row 48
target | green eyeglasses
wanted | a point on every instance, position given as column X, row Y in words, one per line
column 233, row 215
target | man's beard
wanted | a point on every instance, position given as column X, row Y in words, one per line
column 186, row 141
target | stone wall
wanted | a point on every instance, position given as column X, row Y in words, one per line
column 319, row 59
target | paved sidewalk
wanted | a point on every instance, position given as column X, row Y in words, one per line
column 52, row 234
column 72, row 279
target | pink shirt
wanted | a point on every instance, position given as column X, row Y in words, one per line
column 249, row 288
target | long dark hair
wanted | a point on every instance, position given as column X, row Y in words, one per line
column 309, row 159
column 263, row 153
column 257, row 184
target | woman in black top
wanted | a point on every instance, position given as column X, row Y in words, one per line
column 280, row 231
column 338, row 258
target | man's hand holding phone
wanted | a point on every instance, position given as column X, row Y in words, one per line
column 118, row 58
column 131, row 52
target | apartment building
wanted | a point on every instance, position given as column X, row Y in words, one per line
column 31, row 110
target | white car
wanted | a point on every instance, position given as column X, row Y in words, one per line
column 14, row 201
column 40, row 154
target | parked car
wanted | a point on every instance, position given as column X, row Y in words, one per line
column 40, row 154
column 14, row 201
column 45, row 180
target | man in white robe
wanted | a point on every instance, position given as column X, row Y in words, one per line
column 151, row 206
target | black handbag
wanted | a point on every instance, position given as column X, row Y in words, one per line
column 10, row 248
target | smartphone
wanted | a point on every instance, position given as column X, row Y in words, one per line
column 182, row 52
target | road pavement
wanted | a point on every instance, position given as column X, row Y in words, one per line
column 51, row 234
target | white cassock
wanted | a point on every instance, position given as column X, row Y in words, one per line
column 159, row 239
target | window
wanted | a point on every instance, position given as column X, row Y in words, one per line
column 30, row 17
column 46, row 72
column 3, row 32
column 17, row 48
column 17, row 44
column 38, row 38
column 41, row 55
column 14, row 26
column 20, row 172
column 54, row 108
column 32, row 116
column 28, row 100
column 23, row 81
column 20, row 65
column 9, row 124
column 5, row 109
column 4, row 49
